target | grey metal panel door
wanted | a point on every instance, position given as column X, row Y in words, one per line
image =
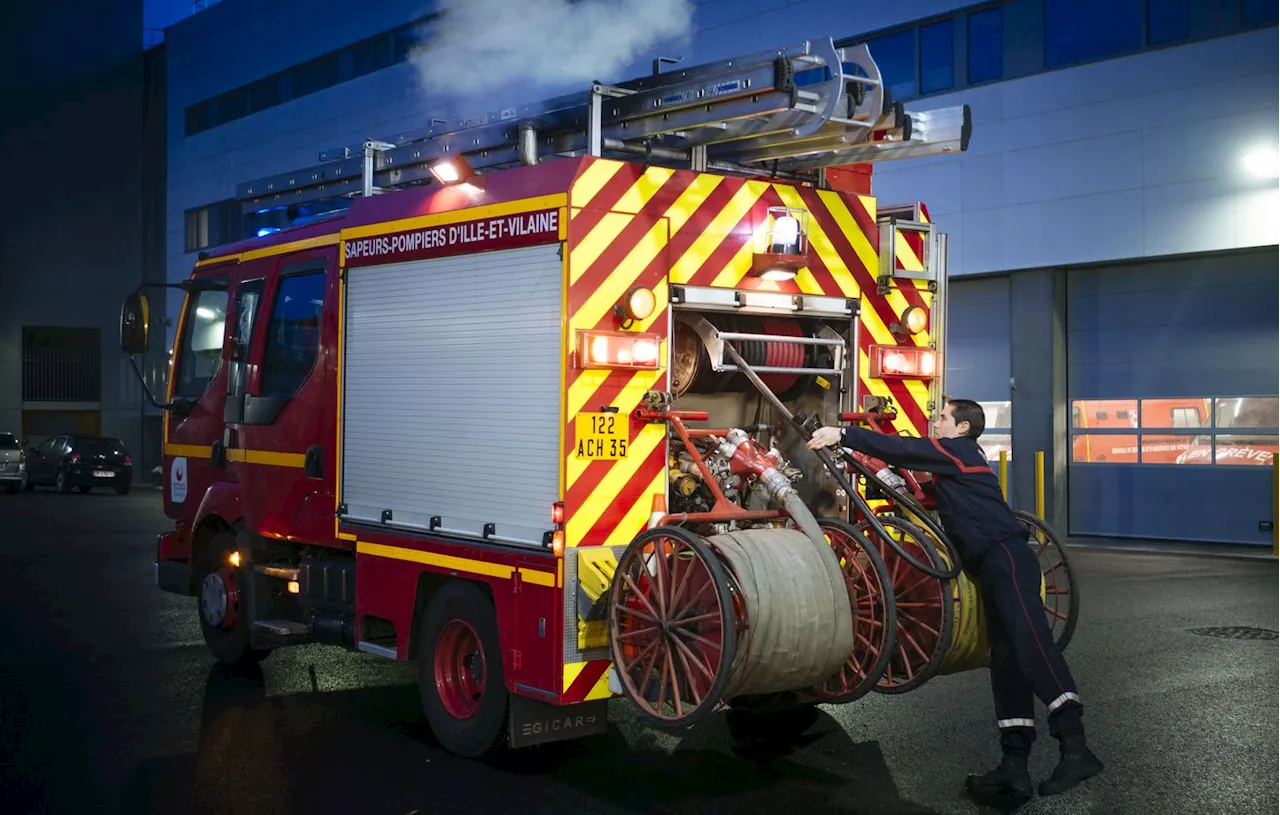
column 452, row 392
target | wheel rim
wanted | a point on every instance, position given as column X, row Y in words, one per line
column 922, row 604
column 871, row 635
column 220, row 599
column 668, row 611
column 460, row 669
column 1060, row 596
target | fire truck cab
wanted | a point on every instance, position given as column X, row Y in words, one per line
column 431, row 425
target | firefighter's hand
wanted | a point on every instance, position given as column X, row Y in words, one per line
column 825, row 437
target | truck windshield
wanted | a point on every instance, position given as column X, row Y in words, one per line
column 201, row 344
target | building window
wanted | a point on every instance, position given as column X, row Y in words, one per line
column 1168, row 21
column 215, row 225
column 937, row 57
column 1232, row 431
column 895, row 54
column 986, row 45
column 1083, row 30
column 61, row 364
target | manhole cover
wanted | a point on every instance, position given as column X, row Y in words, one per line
column 1236, row 632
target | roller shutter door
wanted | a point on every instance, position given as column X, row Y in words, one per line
column 1172, row 377
column 452, row 392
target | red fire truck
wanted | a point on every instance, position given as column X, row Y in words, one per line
column 446, row 421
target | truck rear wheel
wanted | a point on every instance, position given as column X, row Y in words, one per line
column 221, row 604
column 460, row 677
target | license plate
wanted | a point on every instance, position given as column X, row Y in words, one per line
column 102, row 474
column 601, row 436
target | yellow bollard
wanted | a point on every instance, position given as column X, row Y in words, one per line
column 1040, row 484
column 1004, row 474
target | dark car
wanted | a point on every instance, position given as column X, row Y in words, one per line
column 83, row 462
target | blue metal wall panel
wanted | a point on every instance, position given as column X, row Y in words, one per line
column 977, row 360
column 1204, row 326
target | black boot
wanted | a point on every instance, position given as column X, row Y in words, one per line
column 1007, row 786
column 1077, row 763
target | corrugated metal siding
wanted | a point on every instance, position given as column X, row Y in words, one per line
column 978, row 344
column 1194, row 327
column 452, row 372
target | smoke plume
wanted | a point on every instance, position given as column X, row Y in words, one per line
column 526, row 48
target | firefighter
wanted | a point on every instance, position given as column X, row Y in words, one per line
column 993, row 546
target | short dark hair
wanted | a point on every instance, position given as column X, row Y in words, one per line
column 967, row 410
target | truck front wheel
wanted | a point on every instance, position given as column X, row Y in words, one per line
column 460, row 677
column 221, row 600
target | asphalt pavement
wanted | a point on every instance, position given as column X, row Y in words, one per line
column 109, row 703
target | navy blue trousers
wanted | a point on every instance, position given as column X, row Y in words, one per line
column 1025, row 662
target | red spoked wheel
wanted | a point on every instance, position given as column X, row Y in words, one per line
column 459, row 669
column 673, row 628
column 924, row 606
column 1061, row 596
column 875, row 617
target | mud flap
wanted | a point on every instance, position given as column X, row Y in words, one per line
column 534, row 722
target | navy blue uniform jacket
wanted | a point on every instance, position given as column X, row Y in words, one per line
column 972, row 509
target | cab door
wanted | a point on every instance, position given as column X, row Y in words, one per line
column 197, row 387
column 284, row 431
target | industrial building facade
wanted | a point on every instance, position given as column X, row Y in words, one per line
column 1113, row 225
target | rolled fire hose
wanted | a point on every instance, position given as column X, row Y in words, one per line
column 799, row 613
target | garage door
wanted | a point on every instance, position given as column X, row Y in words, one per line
column 1172, row 378
column 977, row 359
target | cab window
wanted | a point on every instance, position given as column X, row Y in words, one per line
column 201, row 350
column 293, row 335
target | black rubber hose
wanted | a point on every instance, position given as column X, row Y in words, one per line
column 802, row 428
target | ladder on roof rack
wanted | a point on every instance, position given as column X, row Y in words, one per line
column 785, row 113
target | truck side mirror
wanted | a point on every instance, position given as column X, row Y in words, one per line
column 135, row 324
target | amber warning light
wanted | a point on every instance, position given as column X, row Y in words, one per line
column 618, row 349
column 903, row 362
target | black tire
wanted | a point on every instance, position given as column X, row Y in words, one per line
column 84, row 490
column 61, row 483
column 484, row 730
column 14, row 488
column 30, row 485
column 230, row 646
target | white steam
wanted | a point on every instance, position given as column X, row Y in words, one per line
column 497, row 46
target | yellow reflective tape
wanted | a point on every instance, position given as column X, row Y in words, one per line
column 588, row 185
column 644, row 188
column 716, row 232
column 572, row 671
column 619, row 475
column 346, row 536
column 538, row 578
column 600, row 690
column 589, row 248
column 457, row 564
column 738, row 267
column 906, row 256
column 615, row 286
column 188, row 450
column 693, row 196
column 637, row 517
column 869, row 204
column 458, row 216
column 853, row 233
column 823, row 245
column 267, row 457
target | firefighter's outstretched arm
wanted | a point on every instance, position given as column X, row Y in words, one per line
column 927, row 455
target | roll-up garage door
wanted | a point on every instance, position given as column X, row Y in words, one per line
column 452, row 393
column 1172, row 378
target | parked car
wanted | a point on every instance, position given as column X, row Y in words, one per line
column 82, row 462
column 13, row 463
